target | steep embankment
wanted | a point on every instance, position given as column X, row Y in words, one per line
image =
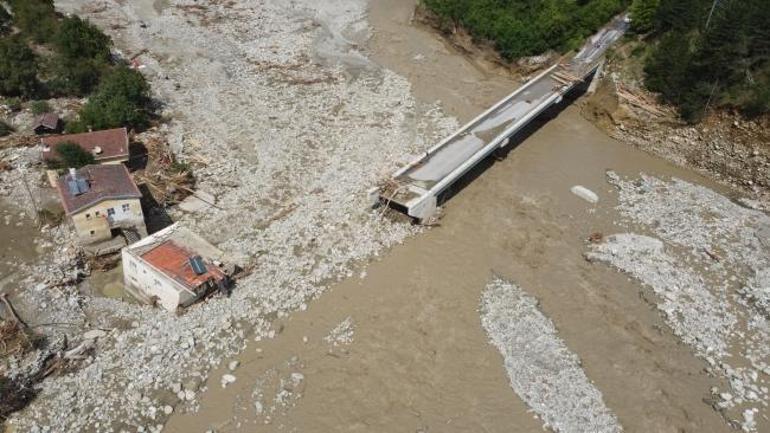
column 690, row 85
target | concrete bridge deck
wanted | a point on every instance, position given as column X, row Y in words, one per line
column 415, row 187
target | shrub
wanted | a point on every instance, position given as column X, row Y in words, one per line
column 643, row 15
column 40, row 107
column 71, row 156
column 120, row 100
column 35, row 18
column 79, row 39
column 523, row 27
column 13, row 104
column 5, row 129
column 18, row 68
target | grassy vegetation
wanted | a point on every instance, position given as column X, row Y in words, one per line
column 709, row 58
column 521, row 28
column 43, row 55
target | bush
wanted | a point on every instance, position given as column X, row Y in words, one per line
column 18, row 68
column 35, row 18
column 120, row 100
column 524, row 28
column 13, row 104
column 643, row 15
column 5, row 129
column 79, row 39
column 74, row 77
column 71, row 156
column 40, row 107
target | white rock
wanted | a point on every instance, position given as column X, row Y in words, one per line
column 585, row 193
column 233, row 365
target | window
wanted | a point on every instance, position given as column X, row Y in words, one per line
column 110, row 211
column 92, row 232
column 88, row 216
column 125, row 207
column 97, row 213
column 133, row 265
column 157, row 283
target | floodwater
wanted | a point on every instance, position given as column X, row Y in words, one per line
column 419, row 359
column 18, row 233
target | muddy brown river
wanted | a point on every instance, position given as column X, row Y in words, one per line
column 419, row 360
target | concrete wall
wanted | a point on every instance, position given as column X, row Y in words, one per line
column 145, row 282
column 92, row 227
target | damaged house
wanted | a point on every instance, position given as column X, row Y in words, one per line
column 173, row 268
column 103, row 203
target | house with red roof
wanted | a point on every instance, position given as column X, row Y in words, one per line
column 173, row 268
column 103, row 203
column 109, row 146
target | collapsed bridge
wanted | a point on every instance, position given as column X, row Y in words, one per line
column 414, row 189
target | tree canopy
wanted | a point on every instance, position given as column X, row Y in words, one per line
column 121, row 99
column 706, row 58
column 18, row 68
column 521, row 28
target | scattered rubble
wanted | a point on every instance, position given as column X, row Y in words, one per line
column 289, row 153
column 708, row 267
column 541, row 368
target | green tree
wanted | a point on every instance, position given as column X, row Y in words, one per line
column 79, row 39
column 121, row 99
column 71, row 155
column 643, row 15
column 35, row 18
column 18, row 68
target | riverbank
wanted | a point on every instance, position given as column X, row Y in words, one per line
column 352, row 321
column 418, row 359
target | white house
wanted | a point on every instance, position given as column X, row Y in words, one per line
column 173, row 268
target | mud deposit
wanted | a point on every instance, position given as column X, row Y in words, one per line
column 419, row 359
column 290, row 112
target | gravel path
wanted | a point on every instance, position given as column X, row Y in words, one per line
column 541, row 368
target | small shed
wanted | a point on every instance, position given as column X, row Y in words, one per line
column 47, row 123
column 174, row 268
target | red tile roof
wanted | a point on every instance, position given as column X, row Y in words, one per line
column 112, row 143
column 104, row 182
column 174, row 260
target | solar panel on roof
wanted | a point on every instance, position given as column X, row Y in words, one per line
column 83, row 186
column 196, row 262
column 72, row 186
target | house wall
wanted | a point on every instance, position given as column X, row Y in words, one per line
column 146, row 282
column 92, row 226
